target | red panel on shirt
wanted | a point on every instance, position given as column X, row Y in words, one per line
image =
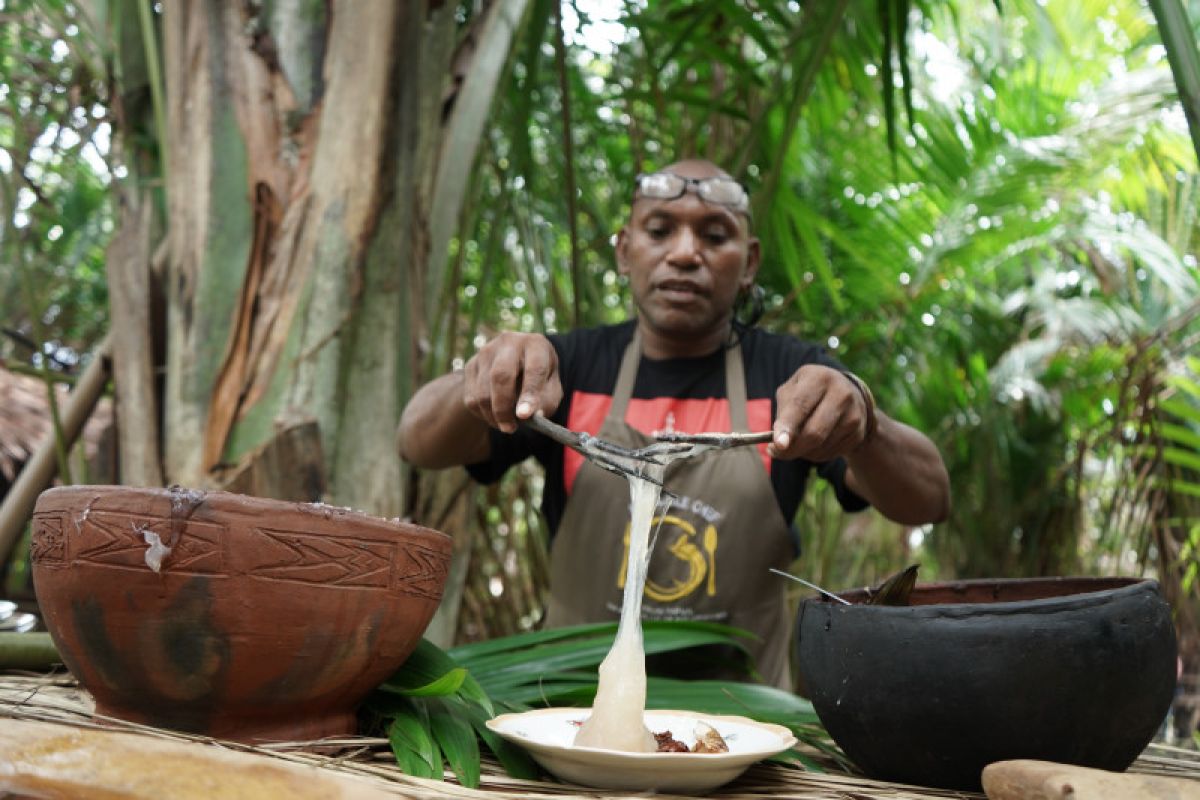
column 589, row 409
column 758, row 418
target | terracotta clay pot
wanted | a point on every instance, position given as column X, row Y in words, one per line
column 1073, row 670
column 264, row 621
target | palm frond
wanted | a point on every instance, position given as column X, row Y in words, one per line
column 428, row 706
column 1179, row 38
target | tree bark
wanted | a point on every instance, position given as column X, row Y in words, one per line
column 318, row 164
column 302, row 152
column 129, row 297
column 317, row 160
column 290, row 466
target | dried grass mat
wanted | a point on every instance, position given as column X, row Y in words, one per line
column 59, row 699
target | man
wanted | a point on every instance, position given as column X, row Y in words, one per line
column 684, row 364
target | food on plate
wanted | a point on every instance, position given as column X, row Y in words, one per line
column 708, row 740
column 669, row 744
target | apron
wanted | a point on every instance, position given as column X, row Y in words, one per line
column 714, row 547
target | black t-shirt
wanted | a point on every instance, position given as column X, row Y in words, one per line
column 681, row 394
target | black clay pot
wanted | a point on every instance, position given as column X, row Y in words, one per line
column 1074, row 670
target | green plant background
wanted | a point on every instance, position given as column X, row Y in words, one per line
column 988, row 209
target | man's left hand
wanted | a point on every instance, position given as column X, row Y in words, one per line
column 820, row 414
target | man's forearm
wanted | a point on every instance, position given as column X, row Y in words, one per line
column 901, row 474
column 437, row 430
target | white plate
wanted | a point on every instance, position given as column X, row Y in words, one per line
column 7, row 608
column 548, row 734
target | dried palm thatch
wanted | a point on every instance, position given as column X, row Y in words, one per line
column 25, row 421
column 59, row 699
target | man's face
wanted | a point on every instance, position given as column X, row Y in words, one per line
column 686, row 260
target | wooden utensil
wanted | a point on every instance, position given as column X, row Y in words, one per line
column 1047, row 780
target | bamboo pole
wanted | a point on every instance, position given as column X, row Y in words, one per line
column 28, row 651
column 40, row 470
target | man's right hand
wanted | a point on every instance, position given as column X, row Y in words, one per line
column 511, row 378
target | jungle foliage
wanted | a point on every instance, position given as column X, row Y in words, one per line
column 1003, row 242
column 990, row 210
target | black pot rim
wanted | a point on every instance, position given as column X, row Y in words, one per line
column 1125, row 585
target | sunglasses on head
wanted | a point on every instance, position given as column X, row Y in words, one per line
column 717, row 189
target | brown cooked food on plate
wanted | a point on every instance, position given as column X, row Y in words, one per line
column 669, row 744
column 707, row 741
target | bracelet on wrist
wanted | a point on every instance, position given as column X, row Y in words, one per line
column 868, row 398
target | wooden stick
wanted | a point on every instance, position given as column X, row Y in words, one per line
column 722, row 440
column 40, row 469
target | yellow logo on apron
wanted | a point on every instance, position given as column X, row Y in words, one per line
column 701, row 561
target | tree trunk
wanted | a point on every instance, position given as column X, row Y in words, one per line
column 129, row 297
column 307, row 145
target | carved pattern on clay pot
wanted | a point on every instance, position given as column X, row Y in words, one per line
column 294, row 556
column 265, row 620
column 48, row 546
column 420, row 571
column 119, row 540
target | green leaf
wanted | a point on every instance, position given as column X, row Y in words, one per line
column 444, row 686
column 1182, row 458
column 757, row 701
column 472, row 691
column 885, row 10
column 517, row 668
column 693, row 99
column 1179, row 38
column 684, row 33
column 416, row 752
column 455, row 735
column 1192, row 388
column 821, row 266
column 387, row 703
column 795, row 757
column 471, row 653
column 1179, row 434
column 561, row 689
column 515, row 760
column 1190, row 488
column 746, row 22
column 427, row 672
column 504, row 669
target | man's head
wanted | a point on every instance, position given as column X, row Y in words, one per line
column 687, row 256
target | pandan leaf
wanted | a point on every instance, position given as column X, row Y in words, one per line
column 794, row 757
column 416, row 752
column 515, row 761
column 474, row 654
column 454, row 733
column 473, row 692
column 445, row 686
column 439, row 701
column 502, row 669
column 425, row 669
